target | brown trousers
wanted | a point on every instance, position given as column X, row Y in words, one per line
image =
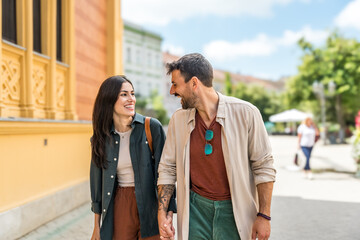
column 126, row 216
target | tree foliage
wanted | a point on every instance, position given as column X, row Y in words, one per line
column 228, row 84
column 269, row 103
column 337, row 61
column 152, row 106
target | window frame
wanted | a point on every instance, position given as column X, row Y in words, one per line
column 9, row 30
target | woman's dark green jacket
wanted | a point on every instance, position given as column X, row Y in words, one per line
column 103, row 182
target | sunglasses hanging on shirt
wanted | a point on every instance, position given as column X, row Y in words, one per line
column 209, row 134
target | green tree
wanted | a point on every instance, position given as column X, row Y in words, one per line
column 338, row 61
column 158, row 106
column 228, row 84
column 268, row 103
column 152, row 106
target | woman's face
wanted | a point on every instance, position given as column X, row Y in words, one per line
column 308, row 122
column 125, row 104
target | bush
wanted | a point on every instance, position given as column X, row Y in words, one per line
column 152, row 107
column 355, row 142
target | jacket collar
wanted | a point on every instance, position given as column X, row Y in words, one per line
column 138, row 118
column 221, row 106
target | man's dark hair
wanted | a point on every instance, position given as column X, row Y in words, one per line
column 193, row 65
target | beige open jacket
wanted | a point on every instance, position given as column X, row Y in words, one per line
column 247, row 155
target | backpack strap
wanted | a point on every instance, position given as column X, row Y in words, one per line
column 148, row 133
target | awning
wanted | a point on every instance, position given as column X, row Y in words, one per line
column 292, row 115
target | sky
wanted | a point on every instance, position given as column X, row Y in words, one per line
column 249, row 37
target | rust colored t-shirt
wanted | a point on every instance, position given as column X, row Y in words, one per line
column 207, row 172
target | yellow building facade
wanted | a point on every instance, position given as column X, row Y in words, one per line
column 54, row 56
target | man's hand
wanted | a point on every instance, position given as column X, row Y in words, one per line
column 166, row 228
column 261, row 229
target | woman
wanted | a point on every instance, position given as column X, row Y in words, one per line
column 123, row 173
column 307, row 132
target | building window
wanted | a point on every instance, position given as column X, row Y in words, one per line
column 37, row 25
column 9, row 20
column 158, row 61
column 138, row 57
column 58, row 31
column 149, row 60
column 128, row 55
column 51, row 84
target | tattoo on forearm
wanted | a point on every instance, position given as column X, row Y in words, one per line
column 165, row 192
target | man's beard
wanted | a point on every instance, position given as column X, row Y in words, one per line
column 189, row 102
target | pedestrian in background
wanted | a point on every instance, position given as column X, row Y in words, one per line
column 218, row 151
column 123, row 172
column 307, row 134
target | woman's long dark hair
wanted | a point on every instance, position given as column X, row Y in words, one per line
column 102, row 118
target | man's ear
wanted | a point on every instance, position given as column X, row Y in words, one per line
column 194, row 82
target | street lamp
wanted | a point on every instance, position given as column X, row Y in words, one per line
column 318, row 89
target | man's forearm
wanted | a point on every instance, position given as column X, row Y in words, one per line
column 164, row 194
column 265, row 195
column 166, row 228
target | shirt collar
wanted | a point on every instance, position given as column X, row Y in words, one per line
column 138, row 118
column 221, row 106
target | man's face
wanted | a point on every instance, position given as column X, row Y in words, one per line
column 183, row 90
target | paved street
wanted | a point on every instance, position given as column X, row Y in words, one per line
column 327, row 207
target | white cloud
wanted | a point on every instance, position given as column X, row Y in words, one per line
column 349, row 17
column 162, row 12
column 314, row 36
column 261, row 45
column 221, row 50
column 175, row 50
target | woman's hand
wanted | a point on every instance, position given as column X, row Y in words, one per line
column 96, row 233
column 166, row 228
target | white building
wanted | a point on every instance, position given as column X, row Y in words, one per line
column 143, row 59
column 171, row 103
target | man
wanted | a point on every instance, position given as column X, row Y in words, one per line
column 218, row 151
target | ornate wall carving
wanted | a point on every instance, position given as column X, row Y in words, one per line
column 39, row 85
column 10, row 74
column 47, row 103
column 60, row 88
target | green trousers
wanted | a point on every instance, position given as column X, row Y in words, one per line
column 211, row 220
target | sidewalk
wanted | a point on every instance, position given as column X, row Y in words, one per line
column 333, row 172
column 326, row 207
column 335, row 157
column 75, row 225
column 322, row 206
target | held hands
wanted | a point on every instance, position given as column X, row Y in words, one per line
column 166, row 228
column 261, row 229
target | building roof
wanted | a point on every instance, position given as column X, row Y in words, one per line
column 139, row 29
column 168, row 57
column 219, row 76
